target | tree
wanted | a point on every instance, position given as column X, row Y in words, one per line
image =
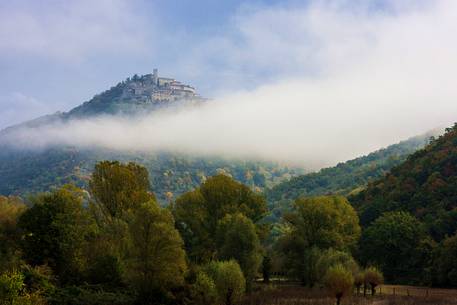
column 198, row 213
column 10, row 210
column 445, row 262
column 391, row 243
column 359, row 280
column 237, row 239
column 204, row 290
column 14, row 292
column 330, row 258
column 229, row 280
column 56, row 230
column 339, row 282
column 373, row 277
column 157, row 261
column 119, row 188
column 267, row 266
column 317, row 224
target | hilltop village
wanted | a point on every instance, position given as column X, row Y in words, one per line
column 151, row 87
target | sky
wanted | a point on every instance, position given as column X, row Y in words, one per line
column 316, row 82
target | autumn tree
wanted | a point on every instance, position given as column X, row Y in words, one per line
column 119, row 188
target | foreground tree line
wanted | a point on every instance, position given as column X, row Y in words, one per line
column 115, row 245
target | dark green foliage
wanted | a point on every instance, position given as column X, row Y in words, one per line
column 55, row 232
column 393, row 243
column 317, row 224
column 267, row 268
column 237, row 239
column 23, row 172
column 445, row 263
column 347, row 177
column 106, row 269
column 198, row 213
column 90, row 295
column 425, row 185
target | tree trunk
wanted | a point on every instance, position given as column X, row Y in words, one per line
column 364, row 290
column 338, row 298
column 373, row 290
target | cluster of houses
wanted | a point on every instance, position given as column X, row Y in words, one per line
column 160, row 89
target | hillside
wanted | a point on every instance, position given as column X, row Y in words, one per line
column 24, row 171
column 424, row 185
column 344, row 178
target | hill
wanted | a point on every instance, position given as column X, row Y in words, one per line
column 24, row 171
column 345, row 178
column 425, row 185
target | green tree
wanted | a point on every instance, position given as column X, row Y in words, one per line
column 56, row 230
column 373, row 277
column 267, row 267
column 13, row 291
column 391, row 243
column 317, row 224
column 10, row 210
column 330, row 258
column 339, row 281
column 198, row 213
column 204, row 290
column 119, row 188
column 157, row 261
column 237, row 239
column 445, row 263
column 229, row 281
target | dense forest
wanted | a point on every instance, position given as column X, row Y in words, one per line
column 25, row 171
column 114, row 244
column 343, row 179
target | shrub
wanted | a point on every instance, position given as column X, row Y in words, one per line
column 228, row 279
column 339, row 281
column 204, row 290
column 373, row 277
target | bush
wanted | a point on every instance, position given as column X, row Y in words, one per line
column 229, row 281
column 204, row 290
column 339, row 281
column 373, row 277
column 13, row 292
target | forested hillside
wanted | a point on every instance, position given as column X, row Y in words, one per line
column 23, row 172
column 425, row 185
column 347, row 177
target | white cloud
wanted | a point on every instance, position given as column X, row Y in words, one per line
column 72, row 31
column 18, row 107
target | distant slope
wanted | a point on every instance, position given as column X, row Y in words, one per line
column 347, row 177
column 424, row 185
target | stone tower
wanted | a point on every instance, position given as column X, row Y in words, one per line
column 155, row 77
